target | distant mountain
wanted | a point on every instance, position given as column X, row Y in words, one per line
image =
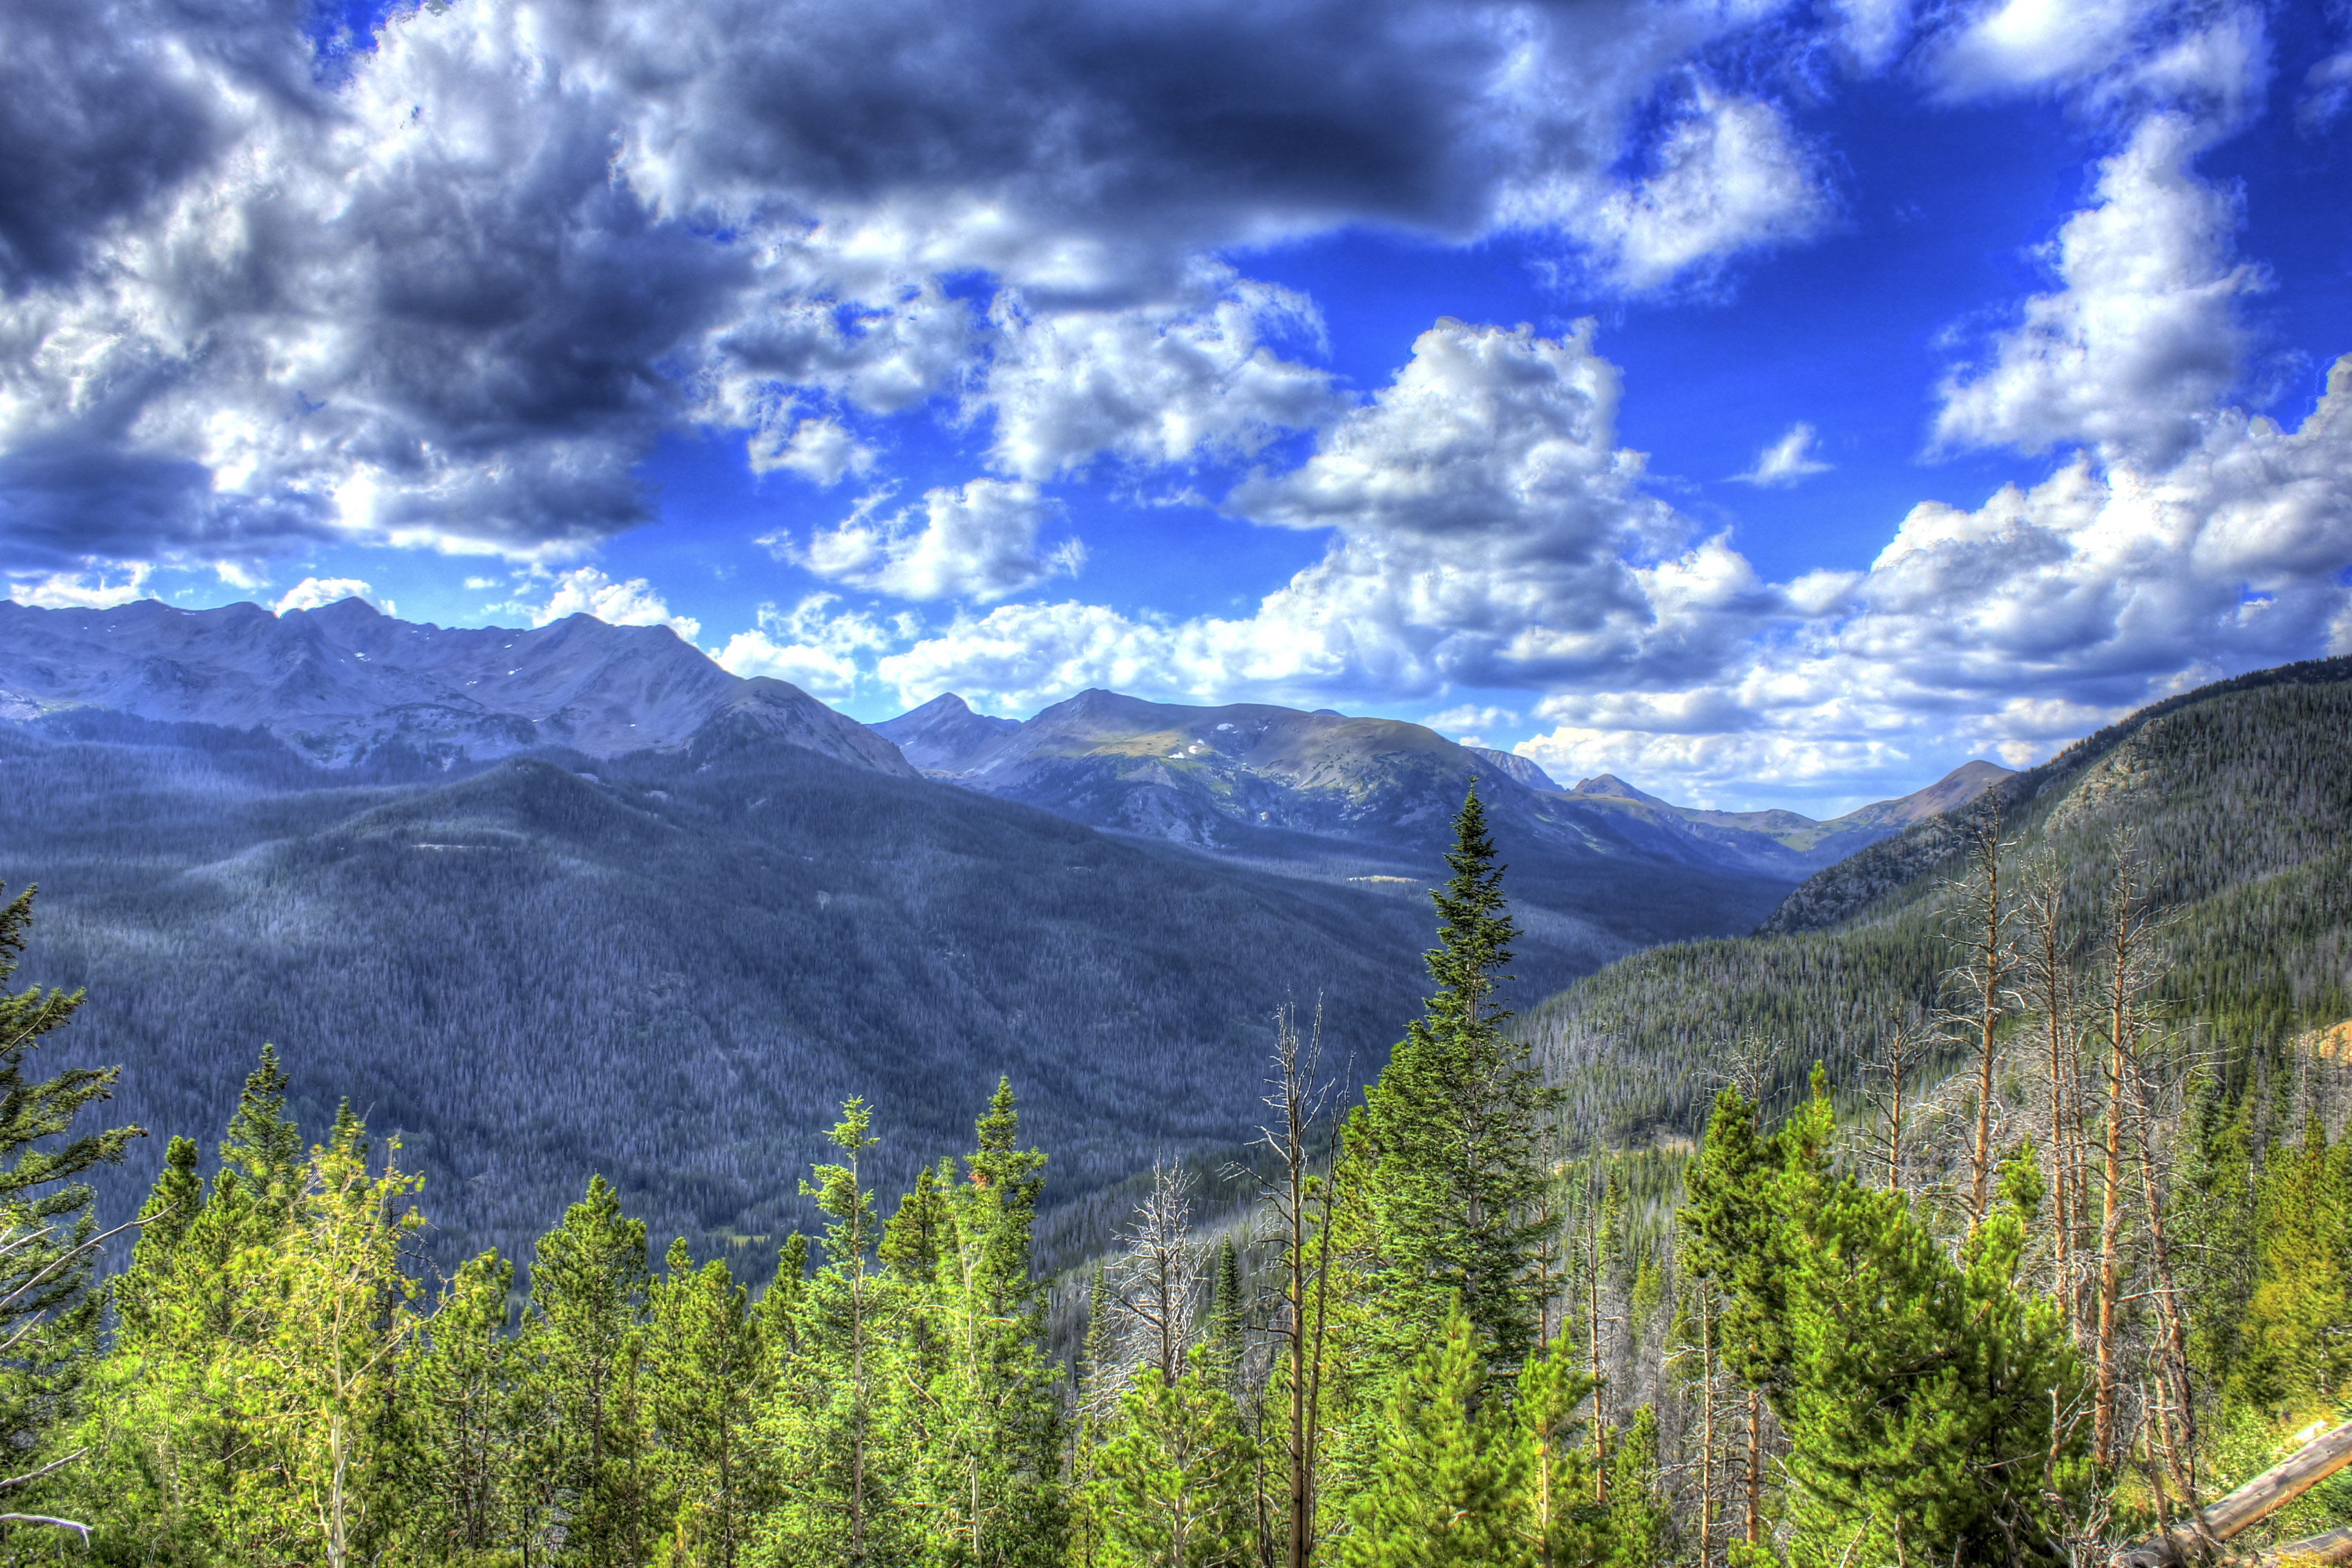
column 1516, row 767
column 938, row 736
column 1266, row 781
column 2239, row 794
column 347, row 684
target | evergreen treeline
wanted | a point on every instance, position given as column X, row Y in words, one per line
column 2024, row 1321
column 2241, row 800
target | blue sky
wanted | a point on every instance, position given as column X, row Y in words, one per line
column 1775, row 404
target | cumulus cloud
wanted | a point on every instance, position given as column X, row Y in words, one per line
column 813, row 645
column 1485, row 530
column 317, row 593
column 2009, row 628
column 1785, row 462
column 94, row 586
column 1158, row 384
column 449, row 294
column 2143, row 337
column 587, row 591
column 976, row 542
column 1729, row 179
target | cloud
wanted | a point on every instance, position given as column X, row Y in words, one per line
column 88, row 588
column 2008, row 629
column 1152, row 384
column 1785, row 461
column 317, row 593
column 587, row 591
column 2143, row 338
column 811, row 647
column 449, row 292
column 1469, row 716
column 1729, row 179
column 1485, row 530
column 978, row 541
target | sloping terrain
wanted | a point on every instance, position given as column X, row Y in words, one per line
column 666, row 967
column 2239, row 795
column 348, row 684
column 1249, row 779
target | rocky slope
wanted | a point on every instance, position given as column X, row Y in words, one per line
column 348, row 684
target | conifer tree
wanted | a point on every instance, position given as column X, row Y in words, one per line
column 993, row 1471
column 832, row 1422
column 1449, row 1130
column 330, row 1315
column 1177, row 1486
column 461, row 1396
column 1449, row 1481
column 48, row 1241
column 582, row 1343
column 2294, row 1354
column 706, row 1380
column 1219, row 1354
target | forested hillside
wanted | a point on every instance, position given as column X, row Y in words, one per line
column 2238, row 798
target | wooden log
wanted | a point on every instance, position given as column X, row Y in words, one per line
column 2335, row 1546
column 2250, row 1504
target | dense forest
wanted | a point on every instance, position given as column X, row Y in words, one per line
column 2057, row 1254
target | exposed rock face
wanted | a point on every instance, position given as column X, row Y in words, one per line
column 942, row 734
column 346, row 682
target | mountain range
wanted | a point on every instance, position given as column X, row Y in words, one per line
column 574, row 899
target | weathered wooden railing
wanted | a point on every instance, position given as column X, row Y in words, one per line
column 2256, row 1500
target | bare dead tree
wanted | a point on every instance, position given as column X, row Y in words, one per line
column 1894, row 1072
column 1977, row 985
column 2045, row 994
column 2128, row 972
column 1155, row 1288
column 1301, row 1205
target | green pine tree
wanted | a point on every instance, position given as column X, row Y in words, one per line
column 49, row 1314
column 459, row 1391
column 2292, row 1355
column 707, row 1381
column 1176, row 1478
column 832, row 1421
column 581, row 1347
column 1450, row 1484
column 992, row 1463
column 1450, row 1131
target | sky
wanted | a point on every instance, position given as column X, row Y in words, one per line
column 1775, row 404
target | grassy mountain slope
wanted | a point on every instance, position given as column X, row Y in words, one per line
column 2240, row 793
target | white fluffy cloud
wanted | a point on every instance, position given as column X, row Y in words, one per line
column 2022, row 623
column 95, row 586
column 587, row 591
column 976, row 542
column 1151, row 384
column 1731, row 178
column 2142, row 340
column 1485, row 530
column 1785, row 462
column 317, row 593
column 811, row 645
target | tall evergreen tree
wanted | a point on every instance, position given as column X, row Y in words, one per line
column 460, row 1393
column 1451, row 1131
column 583, row 1345
column 707, row 1381
column 832, row 1416
column 2294, row 1356
column 995, row 1470
column 49, row 1311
